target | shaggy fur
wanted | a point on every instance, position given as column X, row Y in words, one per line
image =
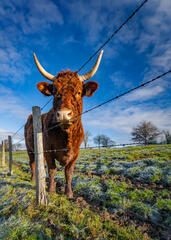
column 65, row 138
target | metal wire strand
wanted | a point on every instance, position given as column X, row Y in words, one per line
column 108, row 101
column 114, row 33
column 114, row 98
column 109, row 39
column 18, row 130
column 94, row 147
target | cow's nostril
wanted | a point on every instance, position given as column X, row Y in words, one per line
column 70, row 114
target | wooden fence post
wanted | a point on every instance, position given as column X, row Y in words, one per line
column 3, row 153
column 10, row 154
column 38, row 154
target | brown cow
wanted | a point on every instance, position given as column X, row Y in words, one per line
column 62, row 127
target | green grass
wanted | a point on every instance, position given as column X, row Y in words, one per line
column 22, row 219
column 115, row 189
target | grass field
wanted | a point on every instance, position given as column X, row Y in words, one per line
column 121, row 193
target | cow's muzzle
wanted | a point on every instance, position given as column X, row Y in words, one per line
column 64, row 116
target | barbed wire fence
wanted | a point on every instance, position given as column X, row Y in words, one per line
column 22, row 156
column 40, row 151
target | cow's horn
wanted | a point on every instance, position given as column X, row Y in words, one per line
column 43, row 71
column 93, row 70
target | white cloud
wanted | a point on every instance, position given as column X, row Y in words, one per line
column 145, row 93
column 124, row 119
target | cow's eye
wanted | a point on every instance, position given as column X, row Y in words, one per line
column 78, row 95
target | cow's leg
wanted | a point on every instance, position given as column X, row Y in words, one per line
column 52, row 171
column 32, row 166
column 69, row 169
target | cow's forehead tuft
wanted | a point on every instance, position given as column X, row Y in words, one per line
column 69, row 77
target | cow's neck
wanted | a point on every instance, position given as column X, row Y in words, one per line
column 74, row 134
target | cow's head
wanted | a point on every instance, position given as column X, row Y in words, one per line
column 68, row 89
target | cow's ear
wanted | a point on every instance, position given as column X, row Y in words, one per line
column 89, row 88
column 45, row 88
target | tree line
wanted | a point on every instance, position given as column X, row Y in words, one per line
column 144, row 133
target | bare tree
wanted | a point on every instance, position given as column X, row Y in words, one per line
column 145, row 132
column 98, row 140
column 103, row 140
column 167, row 135
column 86, row 138
column 106, row 141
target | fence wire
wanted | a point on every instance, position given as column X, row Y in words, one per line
column 109, row 39
column 115, row 147
column 112, row 99
column 89, row 148
column 105, row 102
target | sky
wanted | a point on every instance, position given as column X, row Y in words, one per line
column 64, row 34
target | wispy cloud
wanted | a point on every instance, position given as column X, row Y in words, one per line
column 13, row 65
column 145, row 93
column 162, row 56
column 119, row 79
column 70, row 39
column 11, row 104
column 40, row 14
column 20, row 20
column 154, row 40
column 97, row 18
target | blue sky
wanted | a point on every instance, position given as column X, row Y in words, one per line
column 64, row 34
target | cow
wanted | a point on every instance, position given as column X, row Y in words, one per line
column 62, row 127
